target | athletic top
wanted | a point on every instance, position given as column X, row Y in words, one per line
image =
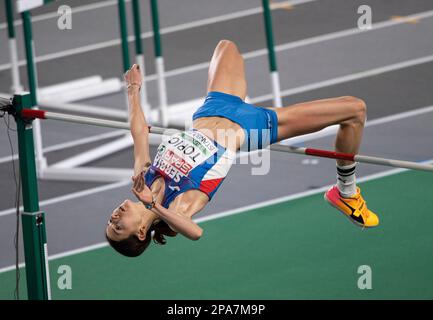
column 189, row 160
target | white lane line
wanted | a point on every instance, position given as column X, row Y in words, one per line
column 83, row 193
column 194, row 24
column 54, row 15
column 231, row 16
column 76, row 251
column 21, row 265
column 349, row 32
column 71, row 144
column 74, row 195
column 347, row 78
column 59, row 255
column 145, row 35
column 228, row 213
column 312, row 86
column 249, row 55
column 167, row 30
column 293, row 45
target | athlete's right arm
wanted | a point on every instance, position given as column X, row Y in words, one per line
column 178, row 222
column 138, row 124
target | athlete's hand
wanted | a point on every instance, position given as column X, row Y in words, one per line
column 138, row 182
column 141, row 190
column 133, row 77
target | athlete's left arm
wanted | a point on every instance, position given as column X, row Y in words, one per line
column 137, row 120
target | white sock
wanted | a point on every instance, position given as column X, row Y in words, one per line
column 346, row 180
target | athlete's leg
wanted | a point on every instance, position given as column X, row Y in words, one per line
column 348, row 112
column 226, row 75
column 226, row 70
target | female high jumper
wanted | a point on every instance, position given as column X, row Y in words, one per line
column 190, row 166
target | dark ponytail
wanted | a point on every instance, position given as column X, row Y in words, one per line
column 161, row 229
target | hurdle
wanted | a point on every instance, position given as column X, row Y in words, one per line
column 191, row 106
column 76, row 89
column 274, row 76
column 95, row 85
column 139, row 58
column 63, row 99
column 92, row 86
column 138, row 48
column 63, row 94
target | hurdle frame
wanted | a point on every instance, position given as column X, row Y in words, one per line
column 67, row 169
column 160, row 64
column 27, row 5
column 272, row 58
column 98, row 85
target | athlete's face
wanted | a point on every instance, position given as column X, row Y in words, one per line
column 125, row 220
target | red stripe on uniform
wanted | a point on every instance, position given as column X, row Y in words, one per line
column 330, row 154
column 31, row 113
column 208, row 186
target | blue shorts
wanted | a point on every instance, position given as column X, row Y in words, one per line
column 259, row 124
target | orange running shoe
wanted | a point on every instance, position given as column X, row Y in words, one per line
column 355, row 207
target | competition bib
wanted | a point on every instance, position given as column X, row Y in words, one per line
column 182, row 152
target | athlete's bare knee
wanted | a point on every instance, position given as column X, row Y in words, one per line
column 361, row 110
column 358, row 108
column 227, row 45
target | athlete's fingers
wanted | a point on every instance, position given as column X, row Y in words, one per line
column 135, row 193
column 140, row 183
column 134, row 181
